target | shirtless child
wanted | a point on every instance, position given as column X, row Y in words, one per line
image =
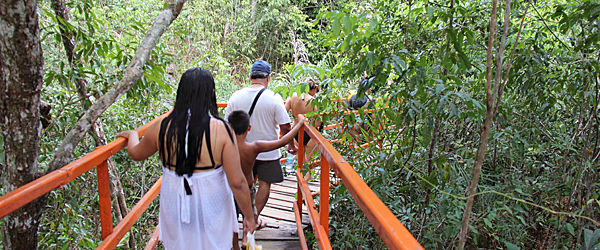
column 302, row 105
column 240, row 122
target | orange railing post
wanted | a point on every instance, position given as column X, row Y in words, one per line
column 320, row 234
column 301, row 147
column 300, row 157
column 134, row 214
column 324, row 193
column 104, row 193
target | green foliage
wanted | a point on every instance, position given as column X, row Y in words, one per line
column 429, row 61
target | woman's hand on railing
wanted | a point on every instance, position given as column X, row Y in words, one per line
column 126, row 134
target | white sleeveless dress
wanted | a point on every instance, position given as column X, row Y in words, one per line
column 205, row 219
column 202, row 217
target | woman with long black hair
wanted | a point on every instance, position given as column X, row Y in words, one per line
column 201, row 169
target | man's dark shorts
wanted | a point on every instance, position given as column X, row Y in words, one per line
column 306, row 136
column 252, row 195
column 268, row 171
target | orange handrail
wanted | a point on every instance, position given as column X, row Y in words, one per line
column 58, row 178
column 389, row 228
column 33, row 190
column 393, row 233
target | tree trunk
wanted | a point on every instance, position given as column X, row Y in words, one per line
column 491, row 98
column 21, row 79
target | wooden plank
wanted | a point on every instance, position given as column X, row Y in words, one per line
column 284, row 189
column 285, row 208
column 287, row 245
column 292, row 178
column 282, row 215
column 284, row 192
column 280, row 203
column 268, row 234
column 314, row 186
column 281, row 197
column 275, row 223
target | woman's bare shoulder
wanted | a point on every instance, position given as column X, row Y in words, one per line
column 220, row 126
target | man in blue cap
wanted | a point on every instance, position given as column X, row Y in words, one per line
column 269, row 119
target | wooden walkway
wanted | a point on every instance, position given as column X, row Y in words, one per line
column 281, row 230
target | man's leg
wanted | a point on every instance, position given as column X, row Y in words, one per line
column 262, row 195
column 309, row 150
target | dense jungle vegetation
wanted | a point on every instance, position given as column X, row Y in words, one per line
column 490, row 139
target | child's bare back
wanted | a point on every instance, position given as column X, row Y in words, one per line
column 240, row 120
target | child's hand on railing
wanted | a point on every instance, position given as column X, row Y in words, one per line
column 302, row 119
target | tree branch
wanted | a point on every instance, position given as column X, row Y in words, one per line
column 500, row 55
column 551, row 32
column 512, row 55
column 132, row 74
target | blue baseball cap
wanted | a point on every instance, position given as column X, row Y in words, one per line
column 261, row 65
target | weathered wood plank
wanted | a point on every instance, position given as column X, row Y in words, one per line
column 285, row 206
column 282, row 215
column 275, row 223
column 314, row 186
column 281, row 197
column 287, row 245
column 267, row 234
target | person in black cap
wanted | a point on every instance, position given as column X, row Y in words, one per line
column 268, row 119
column 355, row 103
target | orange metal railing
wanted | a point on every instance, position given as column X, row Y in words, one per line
column 21, row 196
column 389, row 228
column 393, row 233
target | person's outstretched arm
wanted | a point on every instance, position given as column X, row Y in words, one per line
column 264, row 146
column 141, row 150
column 237, row 181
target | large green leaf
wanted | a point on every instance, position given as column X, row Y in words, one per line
column 336, row 27
column 511, row 246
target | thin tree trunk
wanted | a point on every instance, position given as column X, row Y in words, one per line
column 133, row 73
column 21, row 79
column 491, row 96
